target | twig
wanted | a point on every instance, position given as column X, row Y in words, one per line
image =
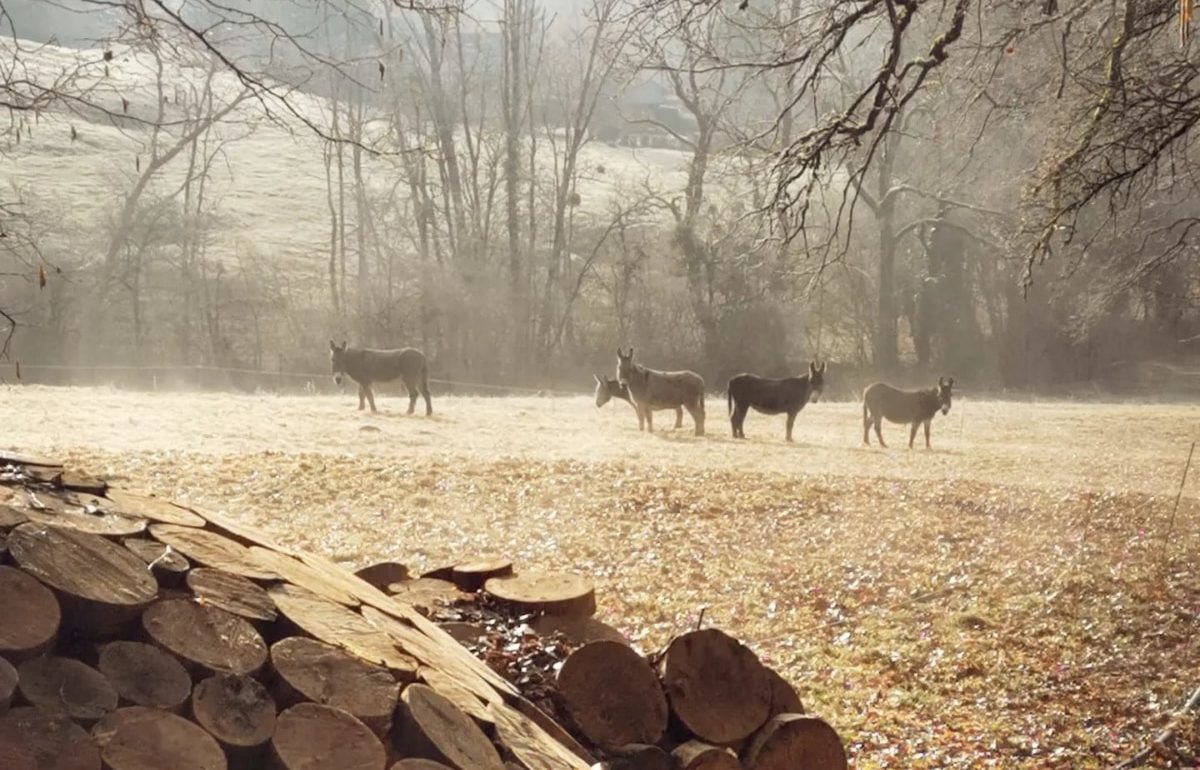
column 1178, row 497
column 1160, row 740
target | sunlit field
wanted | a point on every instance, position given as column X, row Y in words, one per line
column 1010, row 598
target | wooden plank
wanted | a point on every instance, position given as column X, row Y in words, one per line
column 246, row 534
column 74, row 511
column 340, row 626
column 8, row 457
column 300, row 574
column 135, row 505
column 211, row 550
column 532, row 745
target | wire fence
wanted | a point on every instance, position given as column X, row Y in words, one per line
column 178, row 376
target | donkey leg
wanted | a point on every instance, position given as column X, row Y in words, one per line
column 370, row 397
column 411, row 387
column 738, row 420
column 866, row 430
column 425, row 394
column 790, row 422
column 927, row 434
column 678, row 417
column 362, row 398
column 878, row 432
column 912, row 434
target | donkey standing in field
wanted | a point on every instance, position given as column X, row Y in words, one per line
column 608, row 388
column 366, row 366
column 915, row 407
column 650, row 389
column 787, row 396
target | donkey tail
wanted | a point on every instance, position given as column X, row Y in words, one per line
column 866, row 411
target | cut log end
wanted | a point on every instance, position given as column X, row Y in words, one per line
column 144, row 675
column 205, row 638
column 784, row 699
column 788, row 741
column 470, row 576
column 697, row 755
column 426, row 592
column 102, row 584
column 32, row 739
column 66, row 686
column 236, row 710
column 429, row 726
column 30, row 613
column 309, row 736
column 110, row 723
column 167, row 565
column 311, row 670
column 640, row 757
column 157, row 740
column 716, row 686
column 613, row 695
column 383, row 574
column 232, row 593
column 552, row 593
column 8, row 685
column 413, row 763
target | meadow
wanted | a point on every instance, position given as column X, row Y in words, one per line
column 1015, row 597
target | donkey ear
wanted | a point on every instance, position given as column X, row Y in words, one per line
column 824, row 365
column 941, row 382
column 332, row 346
column 812, row 367
column 950, row 382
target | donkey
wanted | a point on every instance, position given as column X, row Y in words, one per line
column 607, row 389
column 915, row 407
column 787, row 396
column 650, row 389
column 366, row 366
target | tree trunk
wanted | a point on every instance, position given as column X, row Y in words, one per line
column 886, row 355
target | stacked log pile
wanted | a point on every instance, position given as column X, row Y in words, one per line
column 136, row 634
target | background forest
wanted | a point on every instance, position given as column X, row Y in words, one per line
column 1003, row 191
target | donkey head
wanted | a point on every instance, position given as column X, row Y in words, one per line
column 816, row 380
column 337, row 357
column 943, row 392
column 603, row 392
column 624, row 366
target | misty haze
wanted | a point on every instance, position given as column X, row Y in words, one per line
column 635, row 384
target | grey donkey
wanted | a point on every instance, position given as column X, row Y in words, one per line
column 913, row 407
column 608, row 388
column 366, row 366
column 651, row 389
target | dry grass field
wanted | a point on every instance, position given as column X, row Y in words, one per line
column 1007, row 599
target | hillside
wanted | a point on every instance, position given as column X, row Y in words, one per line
column 271, row 181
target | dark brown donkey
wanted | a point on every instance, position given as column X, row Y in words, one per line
column 913, row 407
column 787, row 396
column 607, row 389
column 651, row 389
column 366, row 366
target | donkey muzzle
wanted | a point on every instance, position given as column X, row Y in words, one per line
column 946, row 409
